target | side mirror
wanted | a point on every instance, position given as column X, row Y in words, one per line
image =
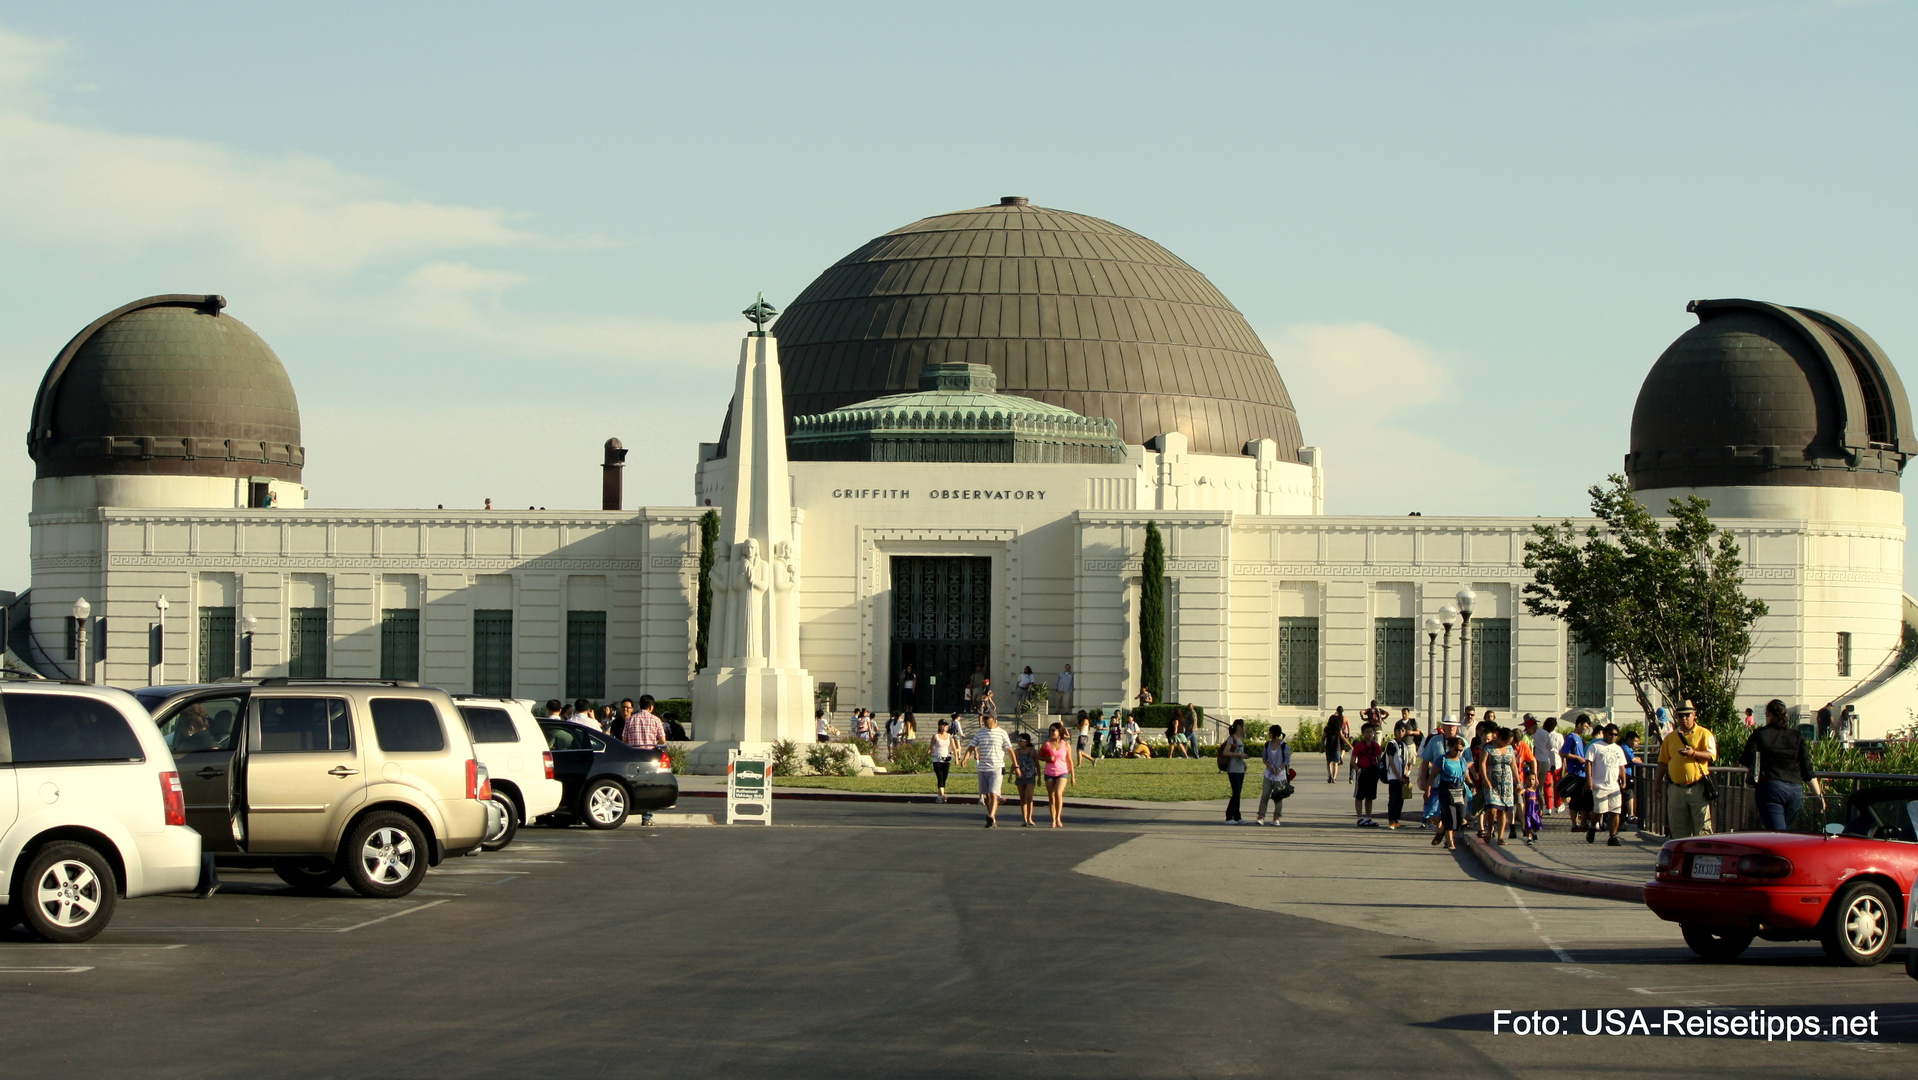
column 1834, row 829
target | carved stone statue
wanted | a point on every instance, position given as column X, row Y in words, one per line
column 785, row 610
column 753, row 579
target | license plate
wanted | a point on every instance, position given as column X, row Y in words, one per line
column 1707, row 867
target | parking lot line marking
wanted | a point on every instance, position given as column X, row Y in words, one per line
column 481, row 873
column 395, row 915
column 44, row 970
column 1653, row 991
column 1563, row 956
column 282, row 929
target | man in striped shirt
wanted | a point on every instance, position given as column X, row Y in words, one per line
column 645, row 732
column 989, row 745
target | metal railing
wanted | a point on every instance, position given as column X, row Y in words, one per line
column 1736, row 808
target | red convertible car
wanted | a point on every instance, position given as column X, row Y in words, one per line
column 1847, row 888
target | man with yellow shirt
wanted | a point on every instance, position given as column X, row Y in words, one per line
column 1684, row 761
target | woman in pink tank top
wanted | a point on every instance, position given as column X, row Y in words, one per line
column 1056, row 763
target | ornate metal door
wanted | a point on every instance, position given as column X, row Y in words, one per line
column 942, row 627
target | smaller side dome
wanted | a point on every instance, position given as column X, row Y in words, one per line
column 1763, row 394
column 167, row 386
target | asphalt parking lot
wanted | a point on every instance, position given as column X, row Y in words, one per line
column 857, row 940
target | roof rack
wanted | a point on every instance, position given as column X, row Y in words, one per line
column 297, row 680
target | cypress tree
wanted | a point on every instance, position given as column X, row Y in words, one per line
column 708, row 537
column 1152, row 614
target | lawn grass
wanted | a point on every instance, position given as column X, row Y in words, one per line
column 1157, row 780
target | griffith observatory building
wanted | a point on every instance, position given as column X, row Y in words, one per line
column 983, row 410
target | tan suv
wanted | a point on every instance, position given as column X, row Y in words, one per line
column 321, row 779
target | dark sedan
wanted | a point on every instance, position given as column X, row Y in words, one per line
column 604, row 778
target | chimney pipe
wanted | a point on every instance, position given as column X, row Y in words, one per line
column 612, row 487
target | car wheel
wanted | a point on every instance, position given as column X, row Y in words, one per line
column 1860, row 926
column 509, row 811
column 1717, row 942
column 317, row 875
column 385, row 856
column 67, row 893
column 604, row 804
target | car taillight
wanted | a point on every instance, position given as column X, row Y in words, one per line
column 472, row 778
column 1664, row 859
column 548, row 757
column 666, row 761
column 1764, row 866
column 173, row 797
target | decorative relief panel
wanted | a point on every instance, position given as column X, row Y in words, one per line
column 1136, row 564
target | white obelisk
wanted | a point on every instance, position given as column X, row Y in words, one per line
column 753, row 690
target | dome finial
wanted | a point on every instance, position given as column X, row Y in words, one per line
column 760, row 313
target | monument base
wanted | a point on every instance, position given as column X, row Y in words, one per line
column 748, row 709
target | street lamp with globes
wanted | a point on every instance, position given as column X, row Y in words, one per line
column 249, row 623
column 1464, row 598
column 1431, row 649
column 1447, row 616
column 82, row 614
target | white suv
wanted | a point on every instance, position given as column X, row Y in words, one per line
column 511, row 746
column 90, row 809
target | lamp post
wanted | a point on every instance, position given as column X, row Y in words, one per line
column 1431, row 650
column 82, row 614
column 158, row 677
column 1447, row 616
column 1465, row 598
column 250, row 623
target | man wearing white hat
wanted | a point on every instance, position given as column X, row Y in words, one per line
column 1430, row 754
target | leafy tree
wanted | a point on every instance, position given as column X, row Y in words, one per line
column 1152, row 613
column 1663, row 602
column 708, row 537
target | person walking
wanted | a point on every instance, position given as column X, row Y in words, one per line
column 1025, row 774
column 1366, row 755
column 1025, row 687
column 989, row 746
column 1336, row 742
column 1684, row 764
column 1131, row 733
column 1571, row 751
column 1498, row 768
column 1084, row 743
column 988, row 705
column 1628, row 807
column 1606, row 769
column 1232, row 756
column 1101, row 725
column 1780, row 764
column 645, row 731
column 1397, row 764
column 942, row 754
column 1276, row 783
column 1177, row 743
column 895, row 734
column 1059, row 766
column 1452, row 793
column 1430, row 755
column 1062, row 690
column 1545, row 748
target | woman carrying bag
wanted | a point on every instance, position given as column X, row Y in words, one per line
column 1277, row 782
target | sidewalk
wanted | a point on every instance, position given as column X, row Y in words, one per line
column 1562, row 861
column 714, row 787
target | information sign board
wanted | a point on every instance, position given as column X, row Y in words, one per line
column 749, row 788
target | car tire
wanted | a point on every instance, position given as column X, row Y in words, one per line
column 605, row 804
column 385, row 856
column 510, row 810
column 67, row 893
column 318, row 875
column 1717, row 943
column 1861, row 926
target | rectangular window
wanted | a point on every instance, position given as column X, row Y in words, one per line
column 1492, row 663
column 1844, row 655
column 1392, row 667
column 307, row 658
column 1587, row 687
column 493, row 652
column 303, row 725
column 50, row 728
column 400, row 643
column 489, row 725
column 1299, row 661
column 217, row 652
column 586, row 654
column 407, row 726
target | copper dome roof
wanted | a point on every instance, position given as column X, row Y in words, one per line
column 1065, row 309
column 167, row 386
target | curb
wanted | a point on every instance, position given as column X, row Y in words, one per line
column 878, row 797
column 1503, row 866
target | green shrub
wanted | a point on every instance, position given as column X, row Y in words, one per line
column 866, row 746
column 831, row 759
column 1255, row 730
column 1307, row 738
column 910, row 757
column 678, row 706
column 681, row 752
column 785, row 758
column 1160, row 716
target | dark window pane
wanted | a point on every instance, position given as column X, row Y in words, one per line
column 1298, row 660
column 308, row 657
column 489, row 725
column 300, row 725
column 1588, row 679
column 493, row 652
column 203, row 725
column 62, row 727
column 216, row 643
column 569, row 737
column 400, row 644
column 1392, row 661
column 586, row 654
column 407, row 726
column 1492, row 663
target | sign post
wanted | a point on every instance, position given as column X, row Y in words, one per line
column 749, row 788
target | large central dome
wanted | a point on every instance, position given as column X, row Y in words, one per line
column 1066, row 309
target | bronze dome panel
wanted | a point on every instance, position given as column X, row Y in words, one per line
column 1066, row 309
column 167, row 386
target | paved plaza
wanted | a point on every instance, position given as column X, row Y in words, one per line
column 862, row 939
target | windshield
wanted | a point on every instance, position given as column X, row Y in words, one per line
column 1892, row 816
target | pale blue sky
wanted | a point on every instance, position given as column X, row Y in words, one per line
column 484, row 238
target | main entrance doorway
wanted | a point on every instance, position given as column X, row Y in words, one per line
column 941, row 628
